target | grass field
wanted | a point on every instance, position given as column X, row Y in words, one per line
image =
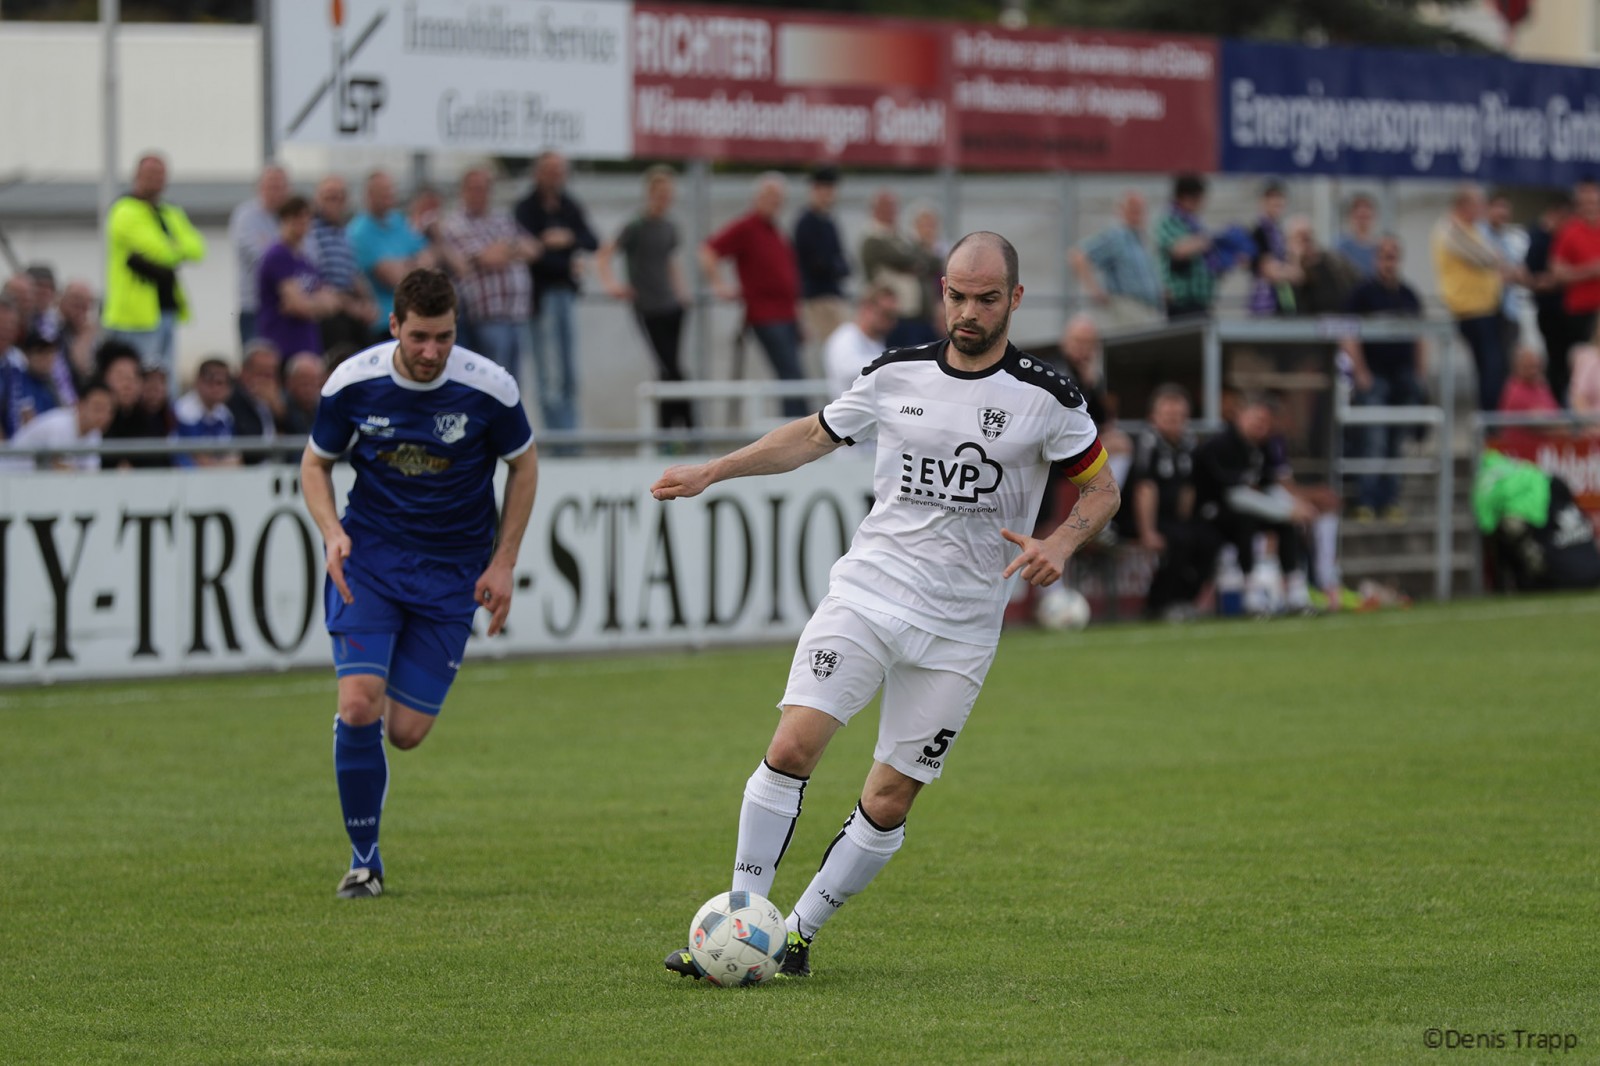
column 1302, row 841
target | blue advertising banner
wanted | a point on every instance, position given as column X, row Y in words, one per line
column 1292, row 110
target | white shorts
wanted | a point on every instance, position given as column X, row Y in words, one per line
column 929, row 682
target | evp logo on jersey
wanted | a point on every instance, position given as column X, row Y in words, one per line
column 993, row 422
column 824, row 661
column 960, row 480
column 451, row 427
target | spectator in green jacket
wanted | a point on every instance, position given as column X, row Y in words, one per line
column 148, row 240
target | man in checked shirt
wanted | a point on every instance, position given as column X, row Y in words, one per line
column 493, row 254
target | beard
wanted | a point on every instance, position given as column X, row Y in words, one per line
column 975, row 346
column 410, row 367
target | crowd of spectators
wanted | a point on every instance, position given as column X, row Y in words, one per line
column 76, row 371
column 1194, row 503
column 1489, row 269
column 317, row 277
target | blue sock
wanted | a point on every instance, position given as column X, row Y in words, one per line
column 362, row 768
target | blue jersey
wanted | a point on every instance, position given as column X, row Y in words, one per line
column 424, row 455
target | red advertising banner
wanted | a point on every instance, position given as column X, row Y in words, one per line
column 735, row 84
column 1080, row 100
column 1572, row 457
column 757, row 86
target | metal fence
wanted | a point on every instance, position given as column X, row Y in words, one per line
column 1195, row 348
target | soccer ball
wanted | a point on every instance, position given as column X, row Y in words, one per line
column 738, row 938
column 1059, row 607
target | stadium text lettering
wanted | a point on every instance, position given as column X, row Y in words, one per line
column 212, row 546
column 629, row 564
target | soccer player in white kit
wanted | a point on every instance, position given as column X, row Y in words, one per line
column 967, row 429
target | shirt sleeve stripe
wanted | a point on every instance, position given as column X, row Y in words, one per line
column 317, row 449
column 1086, row 464
column 829, row 431
column 513, row 453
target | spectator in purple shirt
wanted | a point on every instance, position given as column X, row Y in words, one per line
column 294, row 301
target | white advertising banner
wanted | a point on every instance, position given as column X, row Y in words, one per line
column 154, row 573
column 513, row 77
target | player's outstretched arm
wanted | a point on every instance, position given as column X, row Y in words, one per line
column 316, row 484
column 1042, row 562
column 495, row 585
column 791, row 445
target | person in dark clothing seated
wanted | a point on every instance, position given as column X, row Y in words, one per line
column 1237, row 492
column 119, row 367
column 1159, row 503
column 257, row 400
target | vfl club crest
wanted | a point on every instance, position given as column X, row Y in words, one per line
column 824, row 661
column 993, row 422
column 450, row 428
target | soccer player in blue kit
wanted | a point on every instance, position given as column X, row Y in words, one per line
column 416, row 552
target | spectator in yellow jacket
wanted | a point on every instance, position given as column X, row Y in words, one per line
column 1471, row 275
column 147, row 241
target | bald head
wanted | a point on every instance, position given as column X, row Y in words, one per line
column 1080, row 341
column 331, row 196
column 771, row 190
column 272, row 188
column 150, row 177
column 973, row 250
column 980, row 292
column 1132, row 209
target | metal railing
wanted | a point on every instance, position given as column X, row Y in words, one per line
column 744, row 426
column 1441, row 464
column 1210, row 335
column 287, row 449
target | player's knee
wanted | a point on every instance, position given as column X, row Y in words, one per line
column 360, row 704
column 406, row 739
column 792, row 755
column 888, row 803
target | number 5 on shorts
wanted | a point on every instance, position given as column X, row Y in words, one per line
column 941, row 743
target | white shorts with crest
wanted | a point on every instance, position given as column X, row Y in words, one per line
column 929, row 683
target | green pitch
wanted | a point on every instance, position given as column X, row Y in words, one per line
column 1327, row 840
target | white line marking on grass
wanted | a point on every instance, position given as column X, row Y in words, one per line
column 154, row 690
column 1499, row 611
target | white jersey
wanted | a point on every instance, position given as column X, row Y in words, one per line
column 56, row 427
column 847, row 351
column 961, row 454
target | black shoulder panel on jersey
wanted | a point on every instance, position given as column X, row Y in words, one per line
column 1036, row 371
column 930, row 351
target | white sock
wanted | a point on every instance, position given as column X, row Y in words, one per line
column 1296, row 590
column 1325, row 543
column 766, row 823
column 853, row 859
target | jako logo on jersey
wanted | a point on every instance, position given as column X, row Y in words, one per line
column 376, row 426
column 993, row 422
column 957, row 480
column 909, row 410
column 450, row 428
column 824, row 661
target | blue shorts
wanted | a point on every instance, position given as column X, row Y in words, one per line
column 409, row 623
